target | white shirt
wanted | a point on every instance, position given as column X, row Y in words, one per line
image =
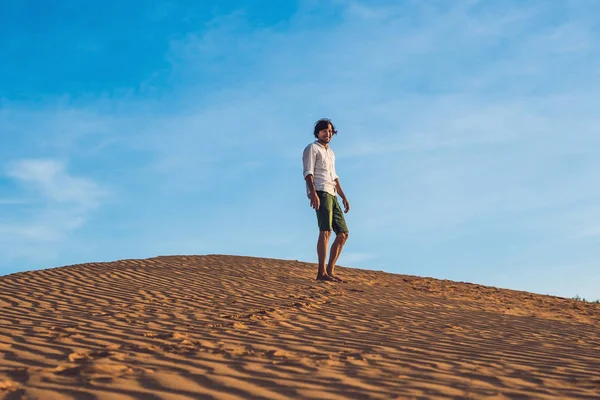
column 319, row 162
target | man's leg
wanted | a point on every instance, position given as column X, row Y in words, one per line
column 341, row 231
column 324, row 219
column 322, row 245
column 336, row 250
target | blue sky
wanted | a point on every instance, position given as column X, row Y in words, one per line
column 467, row 145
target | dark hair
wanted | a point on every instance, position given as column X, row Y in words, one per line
column 323, row 123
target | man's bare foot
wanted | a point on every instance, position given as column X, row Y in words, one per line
column 337, row 279
column 325, row 277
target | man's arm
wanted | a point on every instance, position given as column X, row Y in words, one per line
column 340, row 191
column 309, row 159
column 310, row 183
column 308, row 163
column 312, row 192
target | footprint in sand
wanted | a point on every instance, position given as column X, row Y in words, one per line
column 107, row 370
column 9, row 385
column 81, row 357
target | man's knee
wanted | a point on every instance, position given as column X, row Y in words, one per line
column 325, row 234
column 343, row 236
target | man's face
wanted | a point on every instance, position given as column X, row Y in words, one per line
column 324, row 135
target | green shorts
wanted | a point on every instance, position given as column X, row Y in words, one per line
column 330, row 215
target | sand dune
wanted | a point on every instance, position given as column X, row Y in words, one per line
column 224, row 327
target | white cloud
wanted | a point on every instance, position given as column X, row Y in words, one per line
column 354, row 259
column 54, row 183
column 58, row 204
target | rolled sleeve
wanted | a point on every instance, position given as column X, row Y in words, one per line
column 308, row 161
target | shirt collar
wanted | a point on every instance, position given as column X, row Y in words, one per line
column 319, row 143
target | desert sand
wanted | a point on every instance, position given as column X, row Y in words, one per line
column 228, row 327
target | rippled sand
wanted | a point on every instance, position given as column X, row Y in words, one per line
column 224, row 327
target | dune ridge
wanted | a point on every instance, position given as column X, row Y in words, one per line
column 232, row 327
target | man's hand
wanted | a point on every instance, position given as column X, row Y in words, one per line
column 346, row 205
column 315, row 202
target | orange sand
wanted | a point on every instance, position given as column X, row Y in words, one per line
column 227, row 327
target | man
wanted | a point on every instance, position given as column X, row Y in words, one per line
column 322, row 187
